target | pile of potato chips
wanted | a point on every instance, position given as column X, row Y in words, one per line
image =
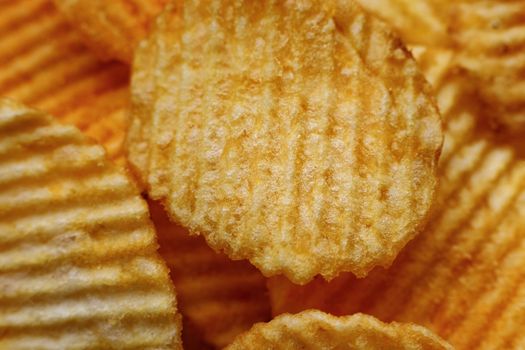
column 273, row 174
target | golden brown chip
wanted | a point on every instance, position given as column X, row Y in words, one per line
column 463, row 277
column 314, row 329
column 44, row 64
column 298, row 135
column 113, row 28
column 217, row 297
column 488, row 38
column 422, row 22
column 78, row 261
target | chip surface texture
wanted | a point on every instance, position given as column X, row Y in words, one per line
column 314, row 329
column 299, row 135
column 78, row 261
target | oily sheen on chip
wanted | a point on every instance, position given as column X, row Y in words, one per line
column 299, row 135
column 112, row 28
column 316, row 330
column 217, row 297
column 44, row 64
column 78, row 261
column 488, row 39
column 462, row 278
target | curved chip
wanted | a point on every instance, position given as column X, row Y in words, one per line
column 298, row 135
column 44, row 64
column 218, row 298
column 78, row 261
column 462, row 277
column 113, row 28
column 314, row 329
column 419, row 22
column 488, row 38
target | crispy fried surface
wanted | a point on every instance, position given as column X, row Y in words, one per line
column 113, row 28
column 316, row 330
column 462, row 277
column 298, row 135
column 217, row 297
column 488, row 37
column 43, row 64
column 78, row 261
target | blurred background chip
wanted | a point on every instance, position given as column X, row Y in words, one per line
column 44, row 64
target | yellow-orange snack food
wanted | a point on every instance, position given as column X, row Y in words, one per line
column 314, row 329
column 218, row 298
column 78, row 261
column 44, row 64
column 462, row 278
column 113, row 28
column 298, row 135
column 487, row 37
column 419, row 22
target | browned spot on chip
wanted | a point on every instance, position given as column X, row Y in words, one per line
column 113, row 28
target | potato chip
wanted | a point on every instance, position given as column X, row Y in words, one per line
column 300, row 136
column 488, row 38
column 218, row 297
column 422, row 22
column 78, row 261
column 44, row 64
column 314, row 329
column 113, row 28
column 462, row 277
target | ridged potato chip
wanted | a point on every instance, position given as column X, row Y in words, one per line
column 218, row 298
column 299, row 135
column 78, row 261
column 112, row 28
column 316, row 330
column 462, row 277
column 488, row 38
column 44, row 64
column 422, row 22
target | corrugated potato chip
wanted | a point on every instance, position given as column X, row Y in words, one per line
column 462, row 277
column 314, row 329
column 299, row 135
column 113, row 28
column 78, row 261
column 422, row 22
column 217, row 297
column 44, row 64
column 488, row 38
